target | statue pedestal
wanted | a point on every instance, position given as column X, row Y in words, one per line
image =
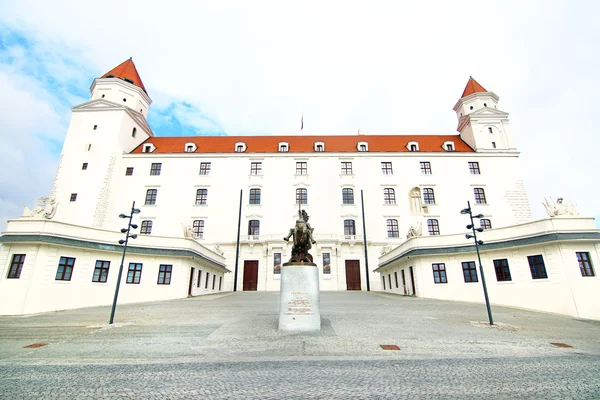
column 299, row 298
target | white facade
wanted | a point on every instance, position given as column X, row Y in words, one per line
column 111, row 158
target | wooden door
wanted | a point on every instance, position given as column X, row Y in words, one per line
column 191, row 281
column 250, row 274
column 352, row 275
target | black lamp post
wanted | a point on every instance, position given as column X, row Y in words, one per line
column 133, row 236
column 477, row 243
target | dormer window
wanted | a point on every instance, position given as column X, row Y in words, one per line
column 240, row 147
column 133, row 132
column 413, row 146
column 449, row 146
column 128, row 80
column 190, row 147
column 284, row 147
column 319, row 146
column 110, row 76
column 149, row 148
column 362, row 146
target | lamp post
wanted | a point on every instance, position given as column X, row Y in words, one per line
column 127, row 236
column 477, row 243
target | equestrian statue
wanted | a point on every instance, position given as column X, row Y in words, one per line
column 303, row 239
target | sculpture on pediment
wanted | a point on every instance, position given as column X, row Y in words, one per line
column 45, row 207
column 560, row 208
column 188, row 231
column 386, row 249
column 303, row 239
column 415, row 230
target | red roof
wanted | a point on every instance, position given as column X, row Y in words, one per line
column 305, row 144
column 473, row 87
column 126, row 71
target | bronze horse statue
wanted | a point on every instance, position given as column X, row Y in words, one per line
column 303, row 239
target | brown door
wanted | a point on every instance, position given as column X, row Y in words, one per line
column 352, row 275
column 191, row 281
column 250, row 275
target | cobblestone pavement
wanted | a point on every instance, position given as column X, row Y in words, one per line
column 228, row 346
column 564, row 377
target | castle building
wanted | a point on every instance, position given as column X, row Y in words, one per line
column 362, row 192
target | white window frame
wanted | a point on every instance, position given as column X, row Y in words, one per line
column 412, row 143
column 451, row 143
column 240, row 144
column 317, row 144
column 193, row 145
column 283, row 147
column 360, row 144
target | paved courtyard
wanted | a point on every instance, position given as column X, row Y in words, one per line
column 228, row 346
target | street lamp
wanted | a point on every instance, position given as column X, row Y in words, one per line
column 477, row 244
column 127, row 236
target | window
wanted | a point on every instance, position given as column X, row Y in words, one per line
column 240, row 147
column 389, row 196
column 189, row 149
column 386, row 168
column 254, row 228
column 301, row 196
column 537, row 267
column 469, row 271
column 95, row 127
column 16, row 266
column 392, row 228
column 201, row 196
column 214, row 281
column 485, row 223
column 146, row 228
column 349, row 227
column 84, row 166
column 198, row 228
column 474, row 168
column 493, row 145
column 301, row 168
column 155, row 168
column 204, row 168
column 326, row 263
column 256, row 168
column 206, row 283
column 73, row 197
column 396, row 278
column 502, row 270
column 220, row 282
column 439, row 273
column 151, row 197
column 347, row 196
column 585, row 264
column 276, row 263
column 319, row 146
column 164, row 274
column 65, row 269
column 254, row 196
column 89, row 147
column 346, row 168
column 433, row 227
column 134, row 275
column 413, row 146
column 133, row 132
column 383, row 280
column 199, row 278
column 390, row 281
column 362, row 146
column 490, row 130
column 129, row 171
column 428, row 196
column 479, row 196
column 425, row 167
column 284, row 147
column 101, row 271
column 449, row 146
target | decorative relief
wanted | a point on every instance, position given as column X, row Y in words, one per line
column 45, row 207
column 560, row 208
column 518, row 203
column 415, row 230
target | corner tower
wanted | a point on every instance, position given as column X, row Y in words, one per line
column 480, row 123
column 112, row 123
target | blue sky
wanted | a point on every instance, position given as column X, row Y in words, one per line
column 250, row 68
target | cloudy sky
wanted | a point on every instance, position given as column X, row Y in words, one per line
column 252, row 68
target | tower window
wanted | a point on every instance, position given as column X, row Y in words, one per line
column 474, row 168
column 255, row 168
column 95, row 127
column 198, row 228
column 347, row 196
column 254, row 196
column 301, row 196
column 146, row 228
column 129, row 171
column 84, row 166
column 254, row 228
column 470, row 108
column 124, row 100
column 389, row 196
column 490, row 129
column 425, row 167
column 201, row 197
column 151, row 197
column 493, row 145
column 73, row 197
column 428, row 196
column 392, row 228
column 155, row 168
column 204, row 168
column 133, row 132
column 433, row 226
column 485, row 104
column 349, row 228
column 128, row 80
column 103, row 96
column 479, row 196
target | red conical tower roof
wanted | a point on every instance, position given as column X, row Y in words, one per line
column 126, row 71
column 473, row 87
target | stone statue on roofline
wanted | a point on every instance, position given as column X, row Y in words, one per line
column 188, row 231
column 303, row 239
column 415, row 230
column 560, row 208
column 45, row 207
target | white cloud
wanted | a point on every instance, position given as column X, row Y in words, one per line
column 382, row 67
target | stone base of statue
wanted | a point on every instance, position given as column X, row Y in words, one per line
column 299, row 298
